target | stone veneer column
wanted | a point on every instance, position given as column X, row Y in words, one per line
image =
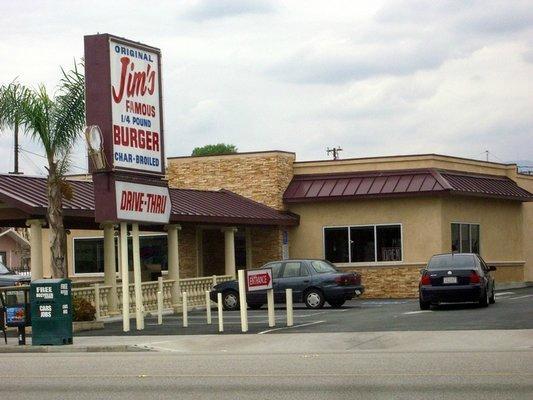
column 36, row 247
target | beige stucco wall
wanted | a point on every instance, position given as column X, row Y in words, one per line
column 261, row 176
column 527, row 227
column 404, row 162
column 420, row 219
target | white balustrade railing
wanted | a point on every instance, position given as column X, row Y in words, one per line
column 195, row 288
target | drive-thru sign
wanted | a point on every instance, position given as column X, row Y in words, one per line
column 259, row 279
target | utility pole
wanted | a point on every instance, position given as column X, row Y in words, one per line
column 16, row 151
column 334, row 151
column 487, row 154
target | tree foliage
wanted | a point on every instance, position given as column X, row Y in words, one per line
column 55, row 122
column 214, row 150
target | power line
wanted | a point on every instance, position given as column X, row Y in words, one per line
column 40, row 155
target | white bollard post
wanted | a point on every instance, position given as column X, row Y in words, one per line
column 220, row 320
column 270, row 306
column 208, row 307
column 184, row 309
column 159, row 307
column 97, row 301
column 139, row 308
column 242, row 301
column 125, row 277
column 288, row 301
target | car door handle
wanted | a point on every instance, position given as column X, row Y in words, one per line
column 306, row 281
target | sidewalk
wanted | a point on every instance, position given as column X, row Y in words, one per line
column 307, row 343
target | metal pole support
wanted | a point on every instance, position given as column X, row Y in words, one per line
column 288, row 301
column 159, row 307
column 220, row 316
column 184, row 309
column 270, row 306
column 208, row 307
column 242, row 300
column 97, row 301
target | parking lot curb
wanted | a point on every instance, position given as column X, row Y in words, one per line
column 70, row 349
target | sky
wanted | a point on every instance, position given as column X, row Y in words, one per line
column 373, row 77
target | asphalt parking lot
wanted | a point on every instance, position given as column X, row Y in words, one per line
column 513, row 310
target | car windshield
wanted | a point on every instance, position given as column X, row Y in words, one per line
column 323, row 267
column 452, row 261
column 3, row 269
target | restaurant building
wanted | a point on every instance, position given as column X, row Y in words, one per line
column 384, row 216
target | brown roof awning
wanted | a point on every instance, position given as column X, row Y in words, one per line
column 343, row 186
column 28, row 195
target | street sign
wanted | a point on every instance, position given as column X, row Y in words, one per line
column 259, row 279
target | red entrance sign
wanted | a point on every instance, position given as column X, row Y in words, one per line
column 259, row 279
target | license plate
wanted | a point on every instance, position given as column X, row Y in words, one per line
column 449, row 279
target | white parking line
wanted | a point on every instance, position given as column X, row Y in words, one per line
column 416, row 312
column 520, row 297
column 502, row 294
column 290, row 327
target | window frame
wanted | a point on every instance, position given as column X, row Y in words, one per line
column 101, row 274
column 361, row 263
column 470, row 236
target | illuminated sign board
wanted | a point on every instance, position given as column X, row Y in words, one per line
column 124, row 98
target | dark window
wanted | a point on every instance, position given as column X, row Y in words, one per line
column 276, row 269
column 367, row 243
column 465, row 238
column 323, row 267
column 474, row 238
column 362, row 243
column 456, row 237
column 88, row 256
column 452, row 261
column 336, row 244
column 240, row 249
column 389, row 242
column 291, row 270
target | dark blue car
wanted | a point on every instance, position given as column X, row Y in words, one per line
column 313, row 282
column 456, row 278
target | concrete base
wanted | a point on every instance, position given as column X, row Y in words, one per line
column 81, row 326
column 513, row 285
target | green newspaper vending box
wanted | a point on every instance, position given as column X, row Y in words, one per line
column 51, row 311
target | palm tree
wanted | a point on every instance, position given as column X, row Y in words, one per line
column 55, row 122
column 11, row 98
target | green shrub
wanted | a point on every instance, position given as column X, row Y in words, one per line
column 82, row 310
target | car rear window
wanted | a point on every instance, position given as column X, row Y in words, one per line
column 322, row 267
column 452, row 261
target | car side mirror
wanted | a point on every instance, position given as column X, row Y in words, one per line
column 492, row 268
column 423, row 271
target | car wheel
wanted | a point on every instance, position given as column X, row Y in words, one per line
column 255, row 306
column 230, row 300
column 485, row 300
column 492, row 298
column 314, row 299
column 424, row 305
column 336, row 304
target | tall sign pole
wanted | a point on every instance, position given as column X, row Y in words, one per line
column 125, row 134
